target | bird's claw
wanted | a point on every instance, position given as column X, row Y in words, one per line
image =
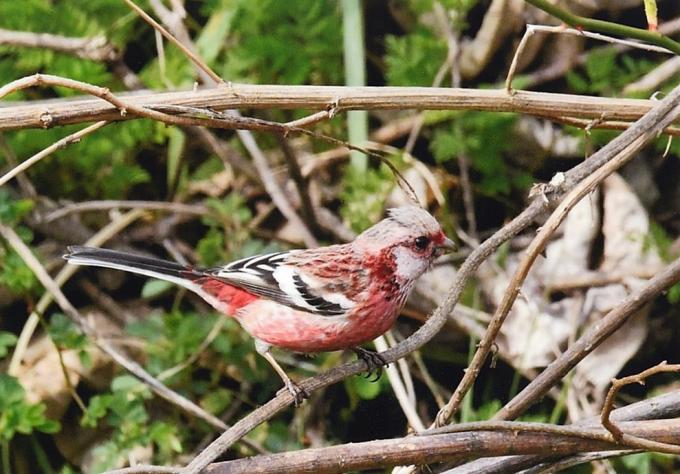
column 299, row 394
column 374, row 362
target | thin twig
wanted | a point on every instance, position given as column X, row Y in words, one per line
column 96, row 49
column 533, row 29
column 301, row 182
column 175, row 207
column 661, row 406
column 592, row 24
column 618, row 434
column 399, row 389
column 25, row 184
column 589, row 341
column 198, row 62
column 59, row 144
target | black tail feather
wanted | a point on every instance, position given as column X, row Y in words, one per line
column 93, row 256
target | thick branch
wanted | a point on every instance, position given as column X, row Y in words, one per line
column 441, row 447
column 244, row 96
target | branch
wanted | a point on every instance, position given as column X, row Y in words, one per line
column 601, row 26
column 487, row 439
column 662, row 406
column 96, row 49
column 85, row 109
column 615, row 430
column 621, row 156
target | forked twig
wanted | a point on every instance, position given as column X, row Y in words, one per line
column 533, row 29
column 627, row 439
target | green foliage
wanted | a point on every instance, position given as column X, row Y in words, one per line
column 413, row 60
column 364, row 195
column 228, row 236
column 124, row 410
column 14, row 273
column 7, row 340
column 285, row 42
column 483, row 138
column 171, row 338
column 606, row 72
column 66, row 335
column 362, row 388
column 644, row 463
column 19, row 416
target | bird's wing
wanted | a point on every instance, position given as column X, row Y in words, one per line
column 273, row 276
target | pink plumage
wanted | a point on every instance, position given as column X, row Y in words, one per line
column 314, row 300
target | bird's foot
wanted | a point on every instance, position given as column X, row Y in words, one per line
column 299, row 394
column 374, row 362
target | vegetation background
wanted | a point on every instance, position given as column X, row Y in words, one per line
column 473, row 169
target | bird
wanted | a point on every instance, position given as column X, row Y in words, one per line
column 308, row 300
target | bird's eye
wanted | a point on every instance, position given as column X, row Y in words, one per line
column 421, row 242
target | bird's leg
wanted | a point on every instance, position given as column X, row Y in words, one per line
column 298, row 393
column 374, row 362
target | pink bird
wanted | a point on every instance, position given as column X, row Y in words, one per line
column 314, row 300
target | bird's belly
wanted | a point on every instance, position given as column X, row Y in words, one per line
column 299, row 331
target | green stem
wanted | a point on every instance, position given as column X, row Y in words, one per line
column 606, row 27
column 355, row 75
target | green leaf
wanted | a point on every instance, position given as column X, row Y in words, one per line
column 96, row 409
column 126, row 383
column 164, row 435
column 16, row 275
column 213, row 35
column 154, row 288
column 65, row 333
column 11, row 391
column 673, row 294
column 217, row 400
column 7, row 340
column 413, row 60
column 363, row 387
column 16, row 415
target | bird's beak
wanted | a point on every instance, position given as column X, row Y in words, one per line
column 448, row 244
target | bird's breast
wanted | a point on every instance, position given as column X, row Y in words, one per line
column 300, row 331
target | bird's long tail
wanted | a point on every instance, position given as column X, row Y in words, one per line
column 152, row 267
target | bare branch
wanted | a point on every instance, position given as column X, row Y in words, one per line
column 96, row 49
column 83, row 109
column 513, row 438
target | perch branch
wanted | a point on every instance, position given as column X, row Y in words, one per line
column 83, row 109
column 513, row 438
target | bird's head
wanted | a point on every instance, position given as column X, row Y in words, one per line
column 410, row 237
